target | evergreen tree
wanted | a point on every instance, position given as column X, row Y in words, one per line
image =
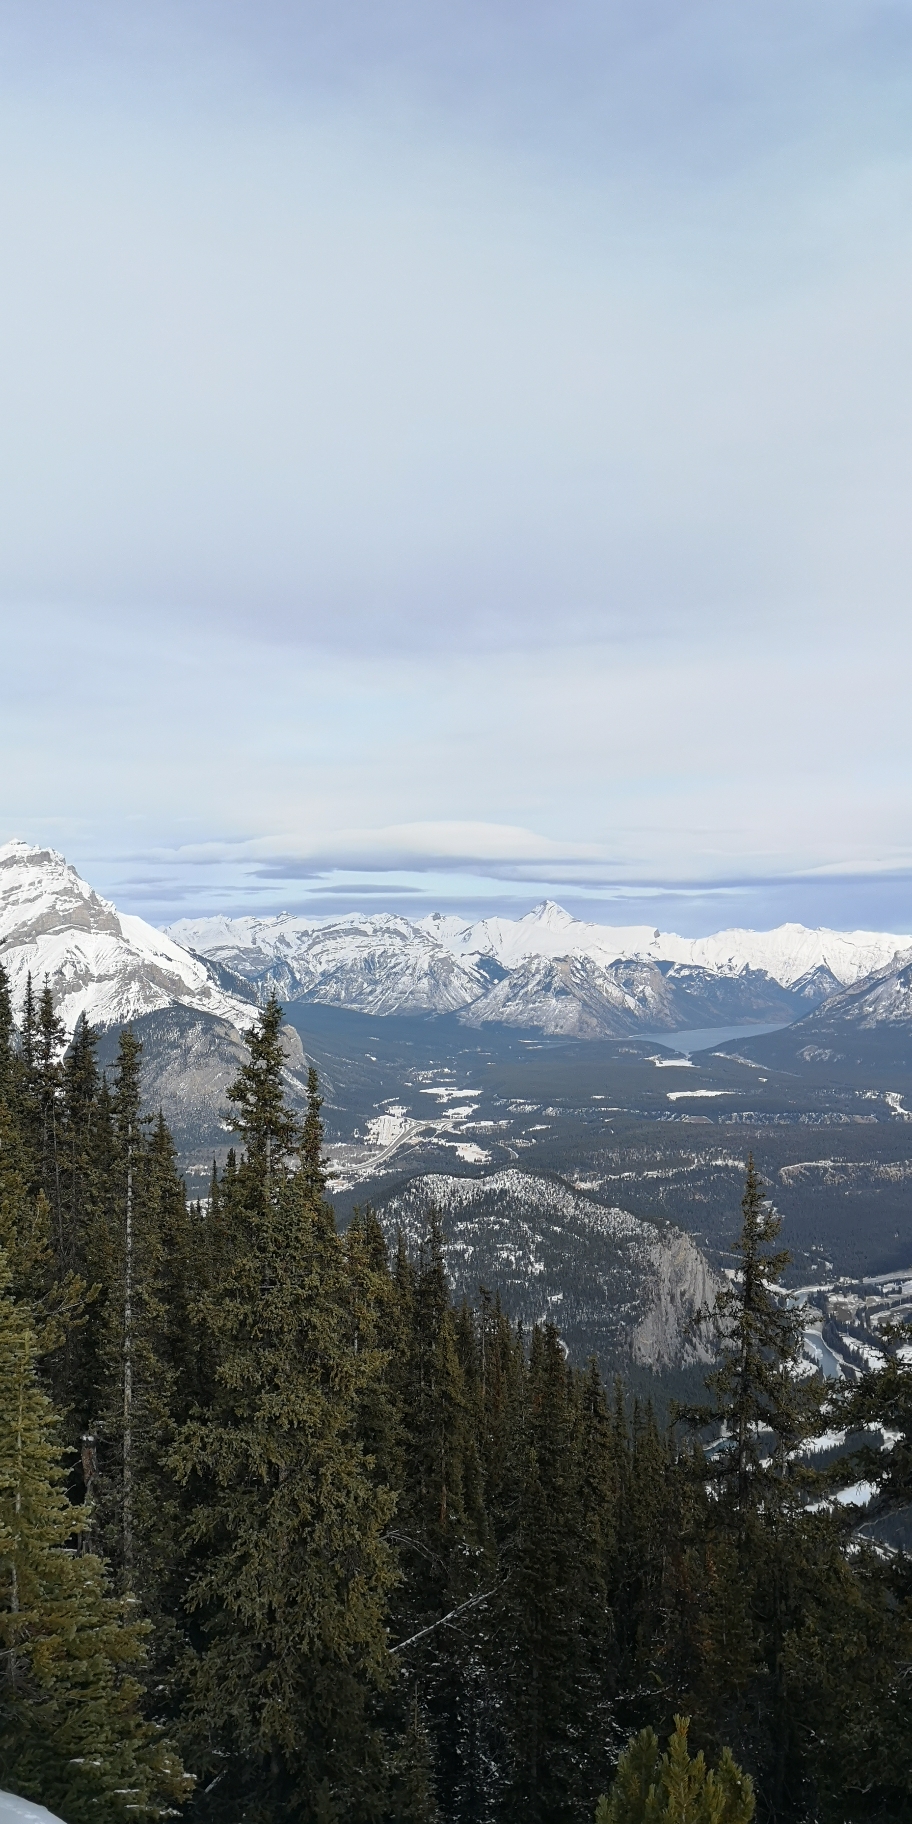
column 7, row 1044
column 441, row 1527
column 72, row 1734
column 266, row 1125
column 289, row 1571
column 51, row 1035
column 81, row 1127
column 312, row 1166
column 554, row 1607
column 763, row 1557
column 655, row 1788
column 757, row 1394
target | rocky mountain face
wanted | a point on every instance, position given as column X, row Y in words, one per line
column 884, row 998
column 616, row 1285
column 98, row 961
column 867, row 1025
column 189, row 1011
column 547, row 971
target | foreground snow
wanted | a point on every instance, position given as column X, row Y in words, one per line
column 21, row 1811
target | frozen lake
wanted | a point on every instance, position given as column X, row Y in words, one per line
column 704, row 1038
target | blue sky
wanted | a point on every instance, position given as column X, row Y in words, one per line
column 453, row 453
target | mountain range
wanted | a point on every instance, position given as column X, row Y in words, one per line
column 548, row 971
column 418, row 1030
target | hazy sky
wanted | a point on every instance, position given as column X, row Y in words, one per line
column 453, row 452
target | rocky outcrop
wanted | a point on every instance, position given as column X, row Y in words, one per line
column 617, row 1286
column 682, row 1285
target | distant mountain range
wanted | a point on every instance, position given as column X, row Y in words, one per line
column 548, row 972
column 441, row 1072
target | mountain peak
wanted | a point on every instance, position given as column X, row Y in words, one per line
column 550, row 914
column 110, row 967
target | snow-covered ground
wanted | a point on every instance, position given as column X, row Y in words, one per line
column 14, row 1810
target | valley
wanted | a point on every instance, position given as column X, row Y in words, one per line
column 551, row 1086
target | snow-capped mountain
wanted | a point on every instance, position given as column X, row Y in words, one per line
column 379, row 965
column 789, row 955
column 98, row 961
column 883, row 998
column 547, row 970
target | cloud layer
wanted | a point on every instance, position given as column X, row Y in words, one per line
column 461, row 448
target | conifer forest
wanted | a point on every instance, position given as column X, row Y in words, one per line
column 288, row 1537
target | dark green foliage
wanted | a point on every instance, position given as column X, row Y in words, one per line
column 72, row 1733
column 767, row 1412
column 285, row 1521
column 387, row 1559
column 262, row 1119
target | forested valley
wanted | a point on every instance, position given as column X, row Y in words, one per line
column 286, row 1535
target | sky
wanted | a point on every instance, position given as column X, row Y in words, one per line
column 457, row 452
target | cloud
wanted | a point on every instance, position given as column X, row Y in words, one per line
column 460, row 445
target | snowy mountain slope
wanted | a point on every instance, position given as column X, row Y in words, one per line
column 545, row 931
column 381, row 964
column 577, row 996
column 580, row 997
column 547, row 969
column 108, row 965
column 883, row 998
column 617, row 1285
column 789, row 955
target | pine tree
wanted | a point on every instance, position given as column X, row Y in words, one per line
column 441, row 1526
column 758, row 1559
column 72, row 1734
column 312, row 1165
column 288, row 1568
column 80, row 1128
column 7, row 1044
column 51, row 1035
column 757, row 1394
column 29, row 1029
column 554, row 1607
column 268, row 1129
column 655, row 1788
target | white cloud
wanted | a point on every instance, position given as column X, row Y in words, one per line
column 459, row 452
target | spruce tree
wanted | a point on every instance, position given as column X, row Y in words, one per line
column 766, row 1411
column 671, row 1788
column 760, row 1551
column 288, row 1568
column 72, row 1735
column 554, row 1608
column 266, row 1125
column 50, row 1035
column 7, row 1044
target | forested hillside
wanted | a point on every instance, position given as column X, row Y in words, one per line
column 287, row 1536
